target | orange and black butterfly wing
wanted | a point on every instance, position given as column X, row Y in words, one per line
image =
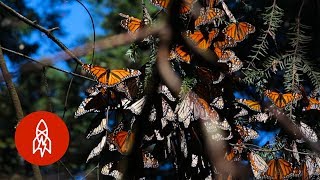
column 101, row 74
column 161, row 3
column 186, row 6
column 130, row 23
column 181, row 53
column 238, row 31
column 223, row 42
column 213, row 14
column 272, row 169
column 284, row 168
column 201, row 40
column 117, row 76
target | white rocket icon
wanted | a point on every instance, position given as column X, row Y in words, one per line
column 41, row 142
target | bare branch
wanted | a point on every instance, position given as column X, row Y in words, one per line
column 46, row 65
column 42, row 29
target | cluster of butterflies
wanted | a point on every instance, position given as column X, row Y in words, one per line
column 162, row 130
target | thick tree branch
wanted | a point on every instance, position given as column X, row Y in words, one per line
column 48, row 32
column 16, row 102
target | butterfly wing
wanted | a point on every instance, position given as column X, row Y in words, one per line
column 258, row 165
column 284, row 169
column 161, row 3
column 99, row 73
column 130, row 23
column 201, row 40
column 181, row 53
column 253, row 105
column 117, row 76
column 238, row 31
column 272, row 169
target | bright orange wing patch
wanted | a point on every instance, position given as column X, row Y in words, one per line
column 130, row 23
column 180, row 53
column 208, row 16
column 279, row 169
column 238, row 31
column 186, row 5
column 282, row 100
column 110, row 77
column 253, row 105
column 202, row 41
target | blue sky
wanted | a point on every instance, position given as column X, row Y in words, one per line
column 75, row 23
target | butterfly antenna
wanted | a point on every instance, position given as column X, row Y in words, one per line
column 93, row 28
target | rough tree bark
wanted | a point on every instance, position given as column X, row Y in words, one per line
column 16, row 102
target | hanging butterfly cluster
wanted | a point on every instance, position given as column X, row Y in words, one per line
column 160, row 130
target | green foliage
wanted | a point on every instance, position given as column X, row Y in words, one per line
column 272, row 18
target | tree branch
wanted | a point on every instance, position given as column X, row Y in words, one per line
column 16, row 102
column 42, row 29
column 46, row 65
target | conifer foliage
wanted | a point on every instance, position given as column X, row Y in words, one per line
column 143, row 127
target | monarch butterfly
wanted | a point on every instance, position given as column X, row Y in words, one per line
column 82, row 108
column 296, row 172
column 207, row 76
column 202, row 41
column 253, row 105
column 185, row 7
column 224, row 55
column 308, row 132
column 97, row 150
column 137, row 106
column 109, row 77
column 238, row 31
column 98, row 129
column 312, row 166
column 260, row 117
column 281, row 100
column 229, row 156
column 110, row 170
column 123, row 141
column 313, row 104
column 218, row 102
column 163, row 89
column 181, row 53
column 247, row 133
column 129, row 87
column 279, row 169
column 192, row 107
column 223, row 42
column 168, row 113
column 258, row 165
column 208, row 15
column 241, row 113
column 235, row 64
column 130, row 23
column 149, row 161
column 224, row 125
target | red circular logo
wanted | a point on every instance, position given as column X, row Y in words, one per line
column 42, row 138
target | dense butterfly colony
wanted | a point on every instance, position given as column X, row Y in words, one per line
column 171, row 127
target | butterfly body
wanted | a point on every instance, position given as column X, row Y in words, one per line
column 109, row 77
column 281, row 100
